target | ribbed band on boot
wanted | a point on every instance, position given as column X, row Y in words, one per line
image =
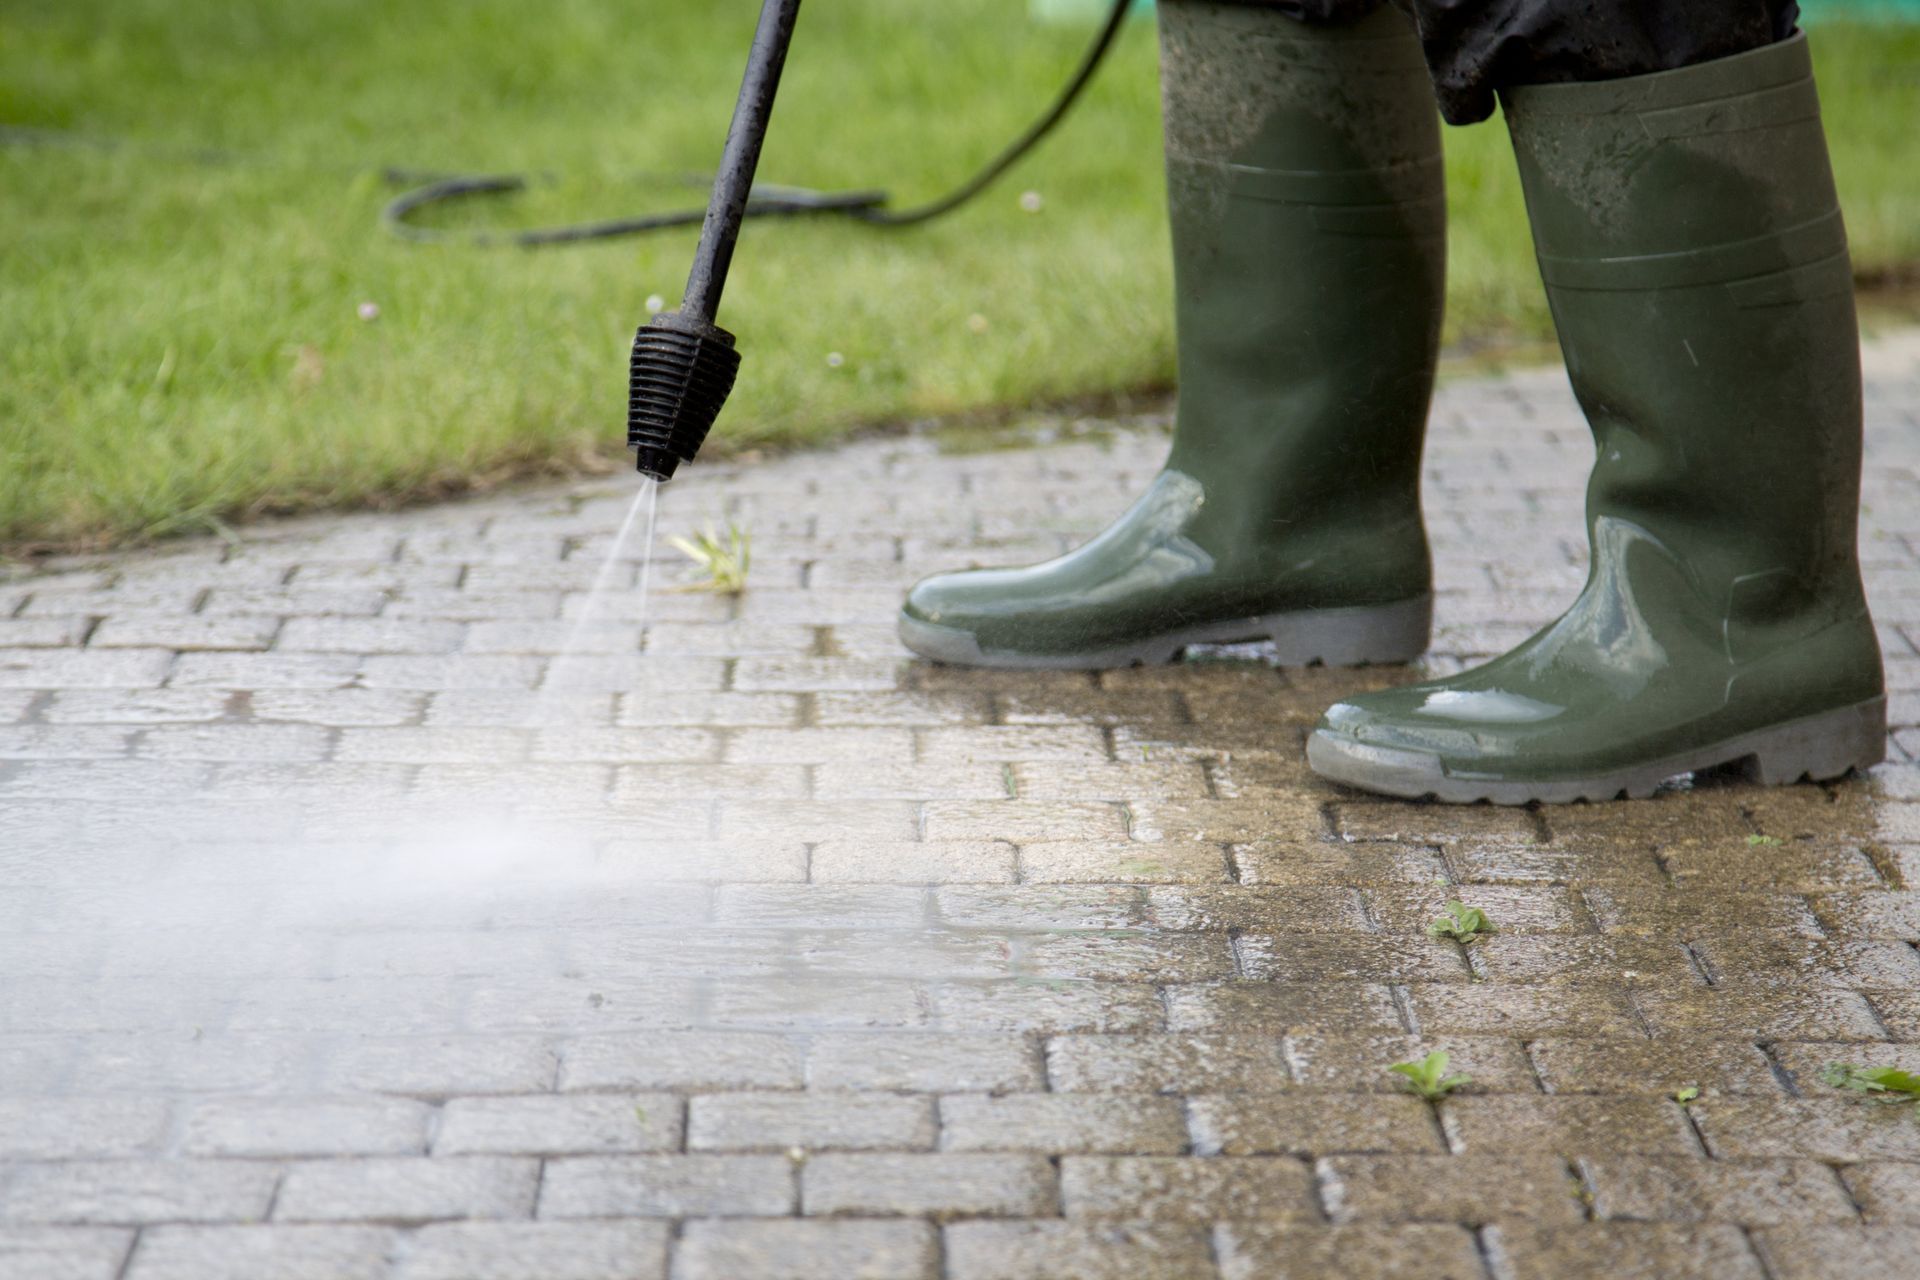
column 1758, row 211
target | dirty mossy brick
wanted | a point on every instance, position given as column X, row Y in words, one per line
column 1213, row 1062
column 1120, row 957
column 1583, row 862
column 809, row 1122
column 956, row 1183
column 1523, row 958
column 1117, row 862
column 1759, row 1011
column 1339, row 958
column 1570, row 1126
column 1267, row 815
column 1832, row 1128
column 1063, row 1123
column 782, row 1250
column 1531, row 1251
column 1188, row 1188
column 1358, row 1063
column 1871, row 1252
column 563, row 1125
column 1514, row 909
column 1259, row 1006
column 1316, row 863
column 1565, row 1008
column 1269, row 909
column 1311, row 1124
column 1433, row 824
column 1682, row 911
column 1638, row 1065
column 1431, row 1251
column 1753, row 1193
column 536, row 1251
column 1468, row 1189
column 1887, row 1191
column 1049, row 1250
column 411, row 1189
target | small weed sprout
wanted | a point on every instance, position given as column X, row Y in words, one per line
column 1428, row 1076
column 1688, row 1095
column 1755, row 841
column 1462, row 923
column 1881, row 1084
column 723, row 559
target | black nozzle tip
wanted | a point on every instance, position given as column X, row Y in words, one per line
column 652, row 460
column 681, row 373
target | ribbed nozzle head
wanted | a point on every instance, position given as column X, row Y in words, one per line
column 680, row 375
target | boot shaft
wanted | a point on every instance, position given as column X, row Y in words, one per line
column 1691, row 242
column 1307, row 203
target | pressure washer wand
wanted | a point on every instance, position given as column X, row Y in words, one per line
column 684, row 364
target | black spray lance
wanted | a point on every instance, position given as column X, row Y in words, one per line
column 684, row 364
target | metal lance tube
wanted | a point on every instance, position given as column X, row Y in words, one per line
column 683, row 364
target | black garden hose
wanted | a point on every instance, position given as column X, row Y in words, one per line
column 870, row 207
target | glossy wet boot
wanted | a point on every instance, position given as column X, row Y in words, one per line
column 1308, row 216
column 1691, row 243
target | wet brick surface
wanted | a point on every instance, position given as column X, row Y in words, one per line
column 808, row 960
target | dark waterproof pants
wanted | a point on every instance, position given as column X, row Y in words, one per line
column 1475, row 48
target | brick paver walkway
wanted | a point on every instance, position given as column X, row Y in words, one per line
column 808, row 960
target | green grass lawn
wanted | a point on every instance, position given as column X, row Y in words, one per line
column 180, row 341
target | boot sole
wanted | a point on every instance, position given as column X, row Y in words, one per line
column 1815, row 747
column 1336, row 637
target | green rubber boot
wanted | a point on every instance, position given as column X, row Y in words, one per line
column 1691, row 243
column 1309, row 224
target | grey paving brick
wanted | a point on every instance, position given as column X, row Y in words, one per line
column 668, row 1186
column 407, row 1189
column 1042, row 1250
column 62, row 1253
column 134, row 1192
column 536, row 1251
column 838, row 1249
column 252, row 1252
column 84, row 668
column 1257, row 1251
column 73, row 1127
column 812, row 1121
column 187, row 634
column 690, row 1060
column 562, row 1125
column 924, row 1063
column 1063, row 1123
column 304, row 1127
column 961, row 1183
